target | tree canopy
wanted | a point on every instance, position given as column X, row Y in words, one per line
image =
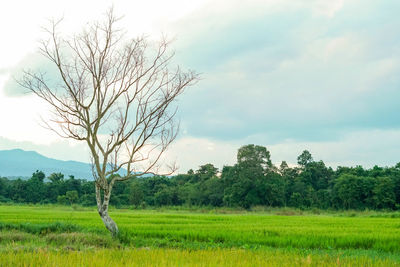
column 252, row 181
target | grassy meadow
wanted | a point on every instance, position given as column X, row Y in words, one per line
column 61, row 236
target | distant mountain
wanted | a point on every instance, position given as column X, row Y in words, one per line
column 20, row 163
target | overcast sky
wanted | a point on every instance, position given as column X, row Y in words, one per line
column 322, row 75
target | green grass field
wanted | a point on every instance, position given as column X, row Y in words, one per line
column 61, row 236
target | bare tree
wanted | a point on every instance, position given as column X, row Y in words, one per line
column 116, row 95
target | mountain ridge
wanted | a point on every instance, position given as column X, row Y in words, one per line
column 22, row 163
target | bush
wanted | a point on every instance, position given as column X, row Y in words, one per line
column 62, row 200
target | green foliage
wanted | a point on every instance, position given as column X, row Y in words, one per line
column 252, row 181
column 35, row 188
column 72, row 196
column 165, row 196
column 136, row 195
column 56, row 177
column 88, row 200
column 353, row 192
column 254, row 156
column 383, row 191
column 62, row 200
column 305, row 158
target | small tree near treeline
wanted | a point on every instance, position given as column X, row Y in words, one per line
column 116, row 95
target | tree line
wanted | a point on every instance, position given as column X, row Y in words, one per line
column 252, row 181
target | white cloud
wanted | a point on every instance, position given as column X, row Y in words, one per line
column 327, row 7
column 61, row 149
column 23, row 20
column 365, row 148
column 191, row 152
column 316, row 81
column 20, row 116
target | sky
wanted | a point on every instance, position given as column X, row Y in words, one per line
column 321, row 75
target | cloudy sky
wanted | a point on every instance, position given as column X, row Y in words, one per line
column 322, row 75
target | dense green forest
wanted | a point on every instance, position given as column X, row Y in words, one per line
column 252, row 181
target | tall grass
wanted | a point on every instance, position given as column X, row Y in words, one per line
column 171, row 257
column 43, row 228
column 59, row 232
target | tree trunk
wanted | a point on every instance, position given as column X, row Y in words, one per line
column 108, row 222
column 102, row 208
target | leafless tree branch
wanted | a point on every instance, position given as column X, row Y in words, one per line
column 116, row 94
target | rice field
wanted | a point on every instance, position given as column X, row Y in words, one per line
column 61, row 236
